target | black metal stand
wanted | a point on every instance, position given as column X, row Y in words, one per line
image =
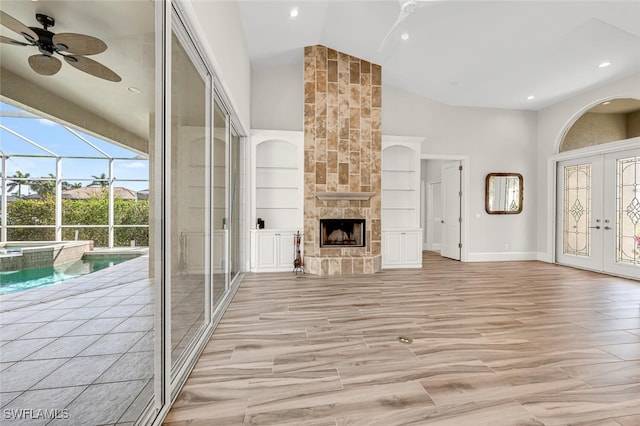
column 297, row 257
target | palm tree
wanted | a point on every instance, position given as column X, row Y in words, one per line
column 99, row 180
column 44, row 187
column 18, row 180
column 66, row 185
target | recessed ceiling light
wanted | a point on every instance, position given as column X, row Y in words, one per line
column 134, row 89
column 530, row 97
column 404, row 36
column 294, row 12
column 604, row 64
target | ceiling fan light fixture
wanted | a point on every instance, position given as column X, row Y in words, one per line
column 71, row 59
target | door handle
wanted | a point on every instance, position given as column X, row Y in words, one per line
column 607, row 227
column 598, row 227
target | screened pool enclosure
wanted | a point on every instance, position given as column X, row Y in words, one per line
column 59, row 183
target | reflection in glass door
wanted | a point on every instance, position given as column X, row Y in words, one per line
column 234, row 207
column 220, row 218
column 190, row 227
column 598, row 215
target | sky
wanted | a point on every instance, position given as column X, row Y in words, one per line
column 128, row 166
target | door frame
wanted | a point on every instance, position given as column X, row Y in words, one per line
column 464, row 228
column 552, row 184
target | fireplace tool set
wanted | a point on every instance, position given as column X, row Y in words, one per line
column 297, row 257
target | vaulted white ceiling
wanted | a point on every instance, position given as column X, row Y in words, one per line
column 471, row 53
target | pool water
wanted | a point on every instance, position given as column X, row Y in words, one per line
column 13, row 281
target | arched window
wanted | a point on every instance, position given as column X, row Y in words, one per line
column 610, row 121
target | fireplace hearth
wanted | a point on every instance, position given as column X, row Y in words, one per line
column 335, row 233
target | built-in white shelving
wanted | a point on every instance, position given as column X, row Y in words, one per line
column 277, row 194
column 401, row 233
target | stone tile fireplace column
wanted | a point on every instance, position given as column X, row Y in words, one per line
column 342, row 157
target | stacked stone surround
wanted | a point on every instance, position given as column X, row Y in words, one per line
column 343, row 149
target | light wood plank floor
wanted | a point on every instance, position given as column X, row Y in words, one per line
column 513, row 343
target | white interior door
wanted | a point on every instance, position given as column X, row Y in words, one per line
column 451, row 219
column 598, row 213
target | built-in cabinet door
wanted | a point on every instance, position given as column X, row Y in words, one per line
column 285, row 255
column 273, row 250
column 266, row 256
column 412, row 247
column 598, row 213
column 402, row 248
column 392, row 248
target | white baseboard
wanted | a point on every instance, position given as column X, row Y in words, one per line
column 506, row 256
column 545, row 257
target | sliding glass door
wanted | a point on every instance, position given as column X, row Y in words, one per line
column 190, row 200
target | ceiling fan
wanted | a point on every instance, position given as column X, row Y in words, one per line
column 407, row 7
column 71, row 46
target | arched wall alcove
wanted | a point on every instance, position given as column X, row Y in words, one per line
column 608, row 121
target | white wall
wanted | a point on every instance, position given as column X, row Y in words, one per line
column 552, row 123
column 494, row 141
column 218, row 27
column 277, row 97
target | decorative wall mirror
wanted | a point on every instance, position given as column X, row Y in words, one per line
column 503, row 193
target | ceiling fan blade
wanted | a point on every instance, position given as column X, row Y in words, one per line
column 45, row 65
column 92, row 67
column 401, row 18
column 8, row 40
column 407, row 7
column 14, row 25
column 79, row 44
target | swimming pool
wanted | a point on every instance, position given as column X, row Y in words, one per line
column 14, row 281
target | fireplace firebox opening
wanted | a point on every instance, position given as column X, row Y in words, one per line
column 342, row 233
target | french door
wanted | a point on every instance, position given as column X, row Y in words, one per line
column 598, row 213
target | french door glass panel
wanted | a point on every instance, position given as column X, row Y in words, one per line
column 622, row 212
column 580, row 213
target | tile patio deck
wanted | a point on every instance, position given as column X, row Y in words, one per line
column 84, row 345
